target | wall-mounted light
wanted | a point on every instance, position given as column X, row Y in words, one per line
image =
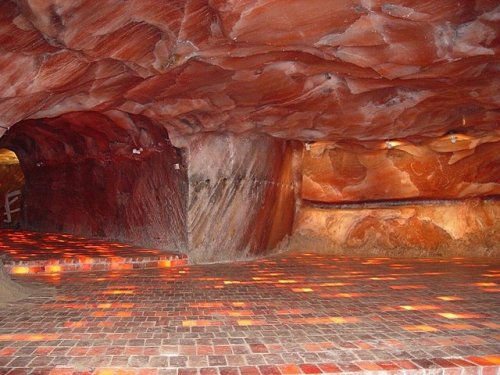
column 453, row 138
column 137, row 151
column 392, row 144
column 307, row 145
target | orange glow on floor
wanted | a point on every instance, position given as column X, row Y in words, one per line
column 246, row 322
column 450, row 298
column 485, row 284
column 201, row 323
column 449, row 315
column 420, row 328
column 53, row 269
column 34, row 252
column 75, row 324
column 164, row 263
column 118, row 291
column 302, row 290
column 407, row 287
column 19, row 270
column 418, row 307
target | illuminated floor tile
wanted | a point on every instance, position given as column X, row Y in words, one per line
column 295, row 313
column 33, row 252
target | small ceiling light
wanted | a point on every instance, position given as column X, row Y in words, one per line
column 453, row 138
column 307, row 146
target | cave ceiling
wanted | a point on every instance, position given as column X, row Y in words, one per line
column 316, row 70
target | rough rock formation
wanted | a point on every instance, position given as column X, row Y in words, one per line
column 121, row 111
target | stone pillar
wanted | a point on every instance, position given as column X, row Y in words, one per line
column 241, row 195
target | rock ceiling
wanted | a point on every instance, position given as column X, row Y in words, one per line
column 310, row 70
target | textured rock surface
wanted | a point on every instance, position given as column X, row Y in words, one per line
column 294, row 69
column 467, row 228
column 85, row 178
column 439, row 170
column 241, row 195
column 92, row 93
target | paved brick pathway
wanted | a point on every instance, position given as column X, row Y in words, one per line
column 34, row 252
column 295, row 314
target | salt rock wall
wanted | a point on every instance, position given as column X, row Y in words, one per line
column 308, row 70
column 463, row 228
column 438, row 198
column 106, row 177
column 333, row 173
column 241, row 195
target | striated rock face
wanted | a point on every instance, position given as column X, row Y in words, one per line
column 179, row 124
column 86, row 178
column 438, row 170
column 310, row 70
column 468, row 228
column 241, row 195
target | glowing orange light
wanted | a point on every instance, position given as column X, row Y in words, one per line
column 302, row 290
column 420, row 328
column 419, row 307
column 206, row 304
column 287, row 281
column 229, row 282
column 485, row 284
column 459, row 316
column 53, row 269
column 74, row 324
column 449, row 298
column 404, row 287
column 200, row 323
column 493, row 358
column 247, row 322
column 119, row 291
column 20, row 270
column 164, row 263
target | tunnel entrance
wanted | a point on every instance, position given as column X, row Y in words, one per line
column 11, row 187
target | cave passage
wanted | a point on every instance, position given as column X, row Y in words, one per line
column 11, row 190
column 239, row 187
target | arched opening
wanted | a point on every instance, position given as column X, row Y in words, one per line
column 11, row 187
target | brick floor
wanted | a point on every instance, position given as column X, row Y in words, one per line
column 32, row 252
column 294, row 314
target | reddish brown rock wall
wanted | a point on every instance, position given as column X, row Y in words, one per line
column 336, row 174
column 241, row 195
column 84, row 177
column 424, row 193
column 466, row 228
column 308, row 70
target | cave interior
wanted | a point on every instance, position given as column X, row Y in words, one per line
column 210, row 131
